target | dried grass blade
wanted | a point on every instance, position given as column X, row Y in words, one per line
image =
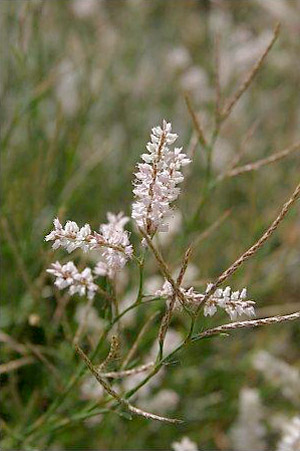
column 15, row 364
column 276, row 156
column 246, row 83
column 247, row 324
column 195, row 119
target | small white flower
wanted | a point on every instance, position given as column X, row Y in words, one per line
column 166, row 291
column 191, row 296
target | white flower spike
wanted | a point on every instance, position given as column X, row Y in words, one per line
column 156, row 179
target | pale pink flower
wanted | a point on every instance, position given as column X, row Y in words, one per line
column 113, row 233
column 234, row 303
column 68, row 276
column 112, row 242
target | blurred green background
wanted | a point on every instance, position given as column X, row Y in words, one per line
column 83, row 82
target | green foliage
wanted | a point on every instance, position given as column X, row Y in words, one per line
column 80, row 94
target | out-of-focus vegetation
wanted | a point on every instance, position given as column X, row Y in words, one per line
column 83, row 82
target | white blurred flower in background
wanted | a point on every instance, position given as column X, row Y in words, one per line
column 84, row 8
column 290, row 440
column 66, row 88
column 279, row 373
column 248, row 432
column 178, row 58
column 185, row 444
column 163, row 401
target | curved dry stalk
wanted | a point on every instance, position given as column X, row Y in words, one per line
column 247, row 324
column 241, row 151
column 218, row 91
column 276, row 156
column 113, row 353
column 184, row 265
column 246, row 83
column 205, row 234
column 165, row 322
column 12, row 343
column 163, row 267
column 254, row 248
column 123, row 402
column 125, row 373
column 15, row 364
column 195, row 119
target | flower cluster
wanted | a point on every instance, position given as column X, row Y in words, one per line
column 112, row 242
column 234, row 303
column 156, row 179
column 71, row 236
column 68, row 276
column 113, row 233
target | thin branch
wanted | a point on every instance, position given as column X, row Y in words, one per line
column 247, row 324
column 195, row 119
column 125, row 373
column 184, row 265
column 205, row 234
column 217, row 330
column 276, row 156
column 217, row 78
column 123, row 402
column 165, row 322
column 246, row 83
column 12, row 343
column 253, row 249
column 164, row 268
column 15, row 364
column 243, row 147
column 113, row 353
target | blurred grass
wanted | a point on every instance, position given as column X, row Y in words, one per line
column 80, row 92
